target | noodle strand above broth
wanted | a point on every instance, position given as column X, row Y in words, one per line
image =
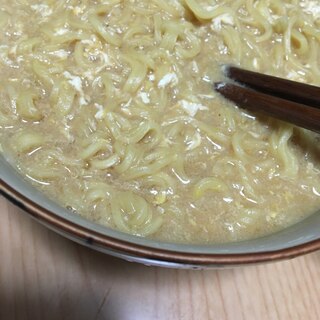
column 107, row 106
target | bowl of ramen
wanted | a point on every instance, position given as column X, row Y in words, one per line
column 112, row 135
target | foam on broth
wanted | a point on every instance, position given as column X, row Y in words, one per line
column 108, row 107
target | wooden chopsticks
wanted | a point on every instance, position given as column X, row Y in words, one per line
column 290, row 101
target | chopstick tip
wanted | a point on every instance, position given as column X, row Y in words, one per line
column 229, row 69
column 225, row 69
column 218, row 86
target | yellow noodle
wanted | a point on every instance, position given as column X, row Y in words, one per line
column 93, row 148
column 209, row 184
column 26, row 141
column 131, row 213
column 105, row 164
column 108, row 107
column 279, row 143
column 26, row 107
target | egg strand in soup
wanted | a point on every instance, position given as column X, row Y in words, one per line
column 107, row 107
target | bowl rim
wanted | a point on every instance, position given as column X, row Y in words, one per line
column 107, row 243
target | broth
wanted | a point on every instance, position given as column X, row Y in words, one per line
column 108, row 108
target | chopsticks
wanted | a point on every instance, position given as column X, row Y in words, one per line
column 290, row 101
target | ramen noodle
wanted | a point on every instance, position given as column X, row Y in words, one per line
column 107, row 107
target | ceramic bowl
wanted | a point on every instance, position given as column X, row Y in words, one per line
column 299, row 239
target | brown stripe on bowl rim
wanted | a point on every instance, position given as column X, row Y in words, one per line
column 103, row 242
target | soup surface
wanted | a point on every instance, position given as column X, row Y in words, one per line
column 108, row 107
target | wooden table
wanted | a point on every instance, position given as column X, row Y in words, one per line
column 44, row 276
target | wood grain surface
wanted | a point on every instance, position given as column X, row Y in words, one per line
column 44, row 276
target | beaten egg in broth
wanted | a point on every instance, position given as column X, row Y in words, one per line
column 108, row 108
